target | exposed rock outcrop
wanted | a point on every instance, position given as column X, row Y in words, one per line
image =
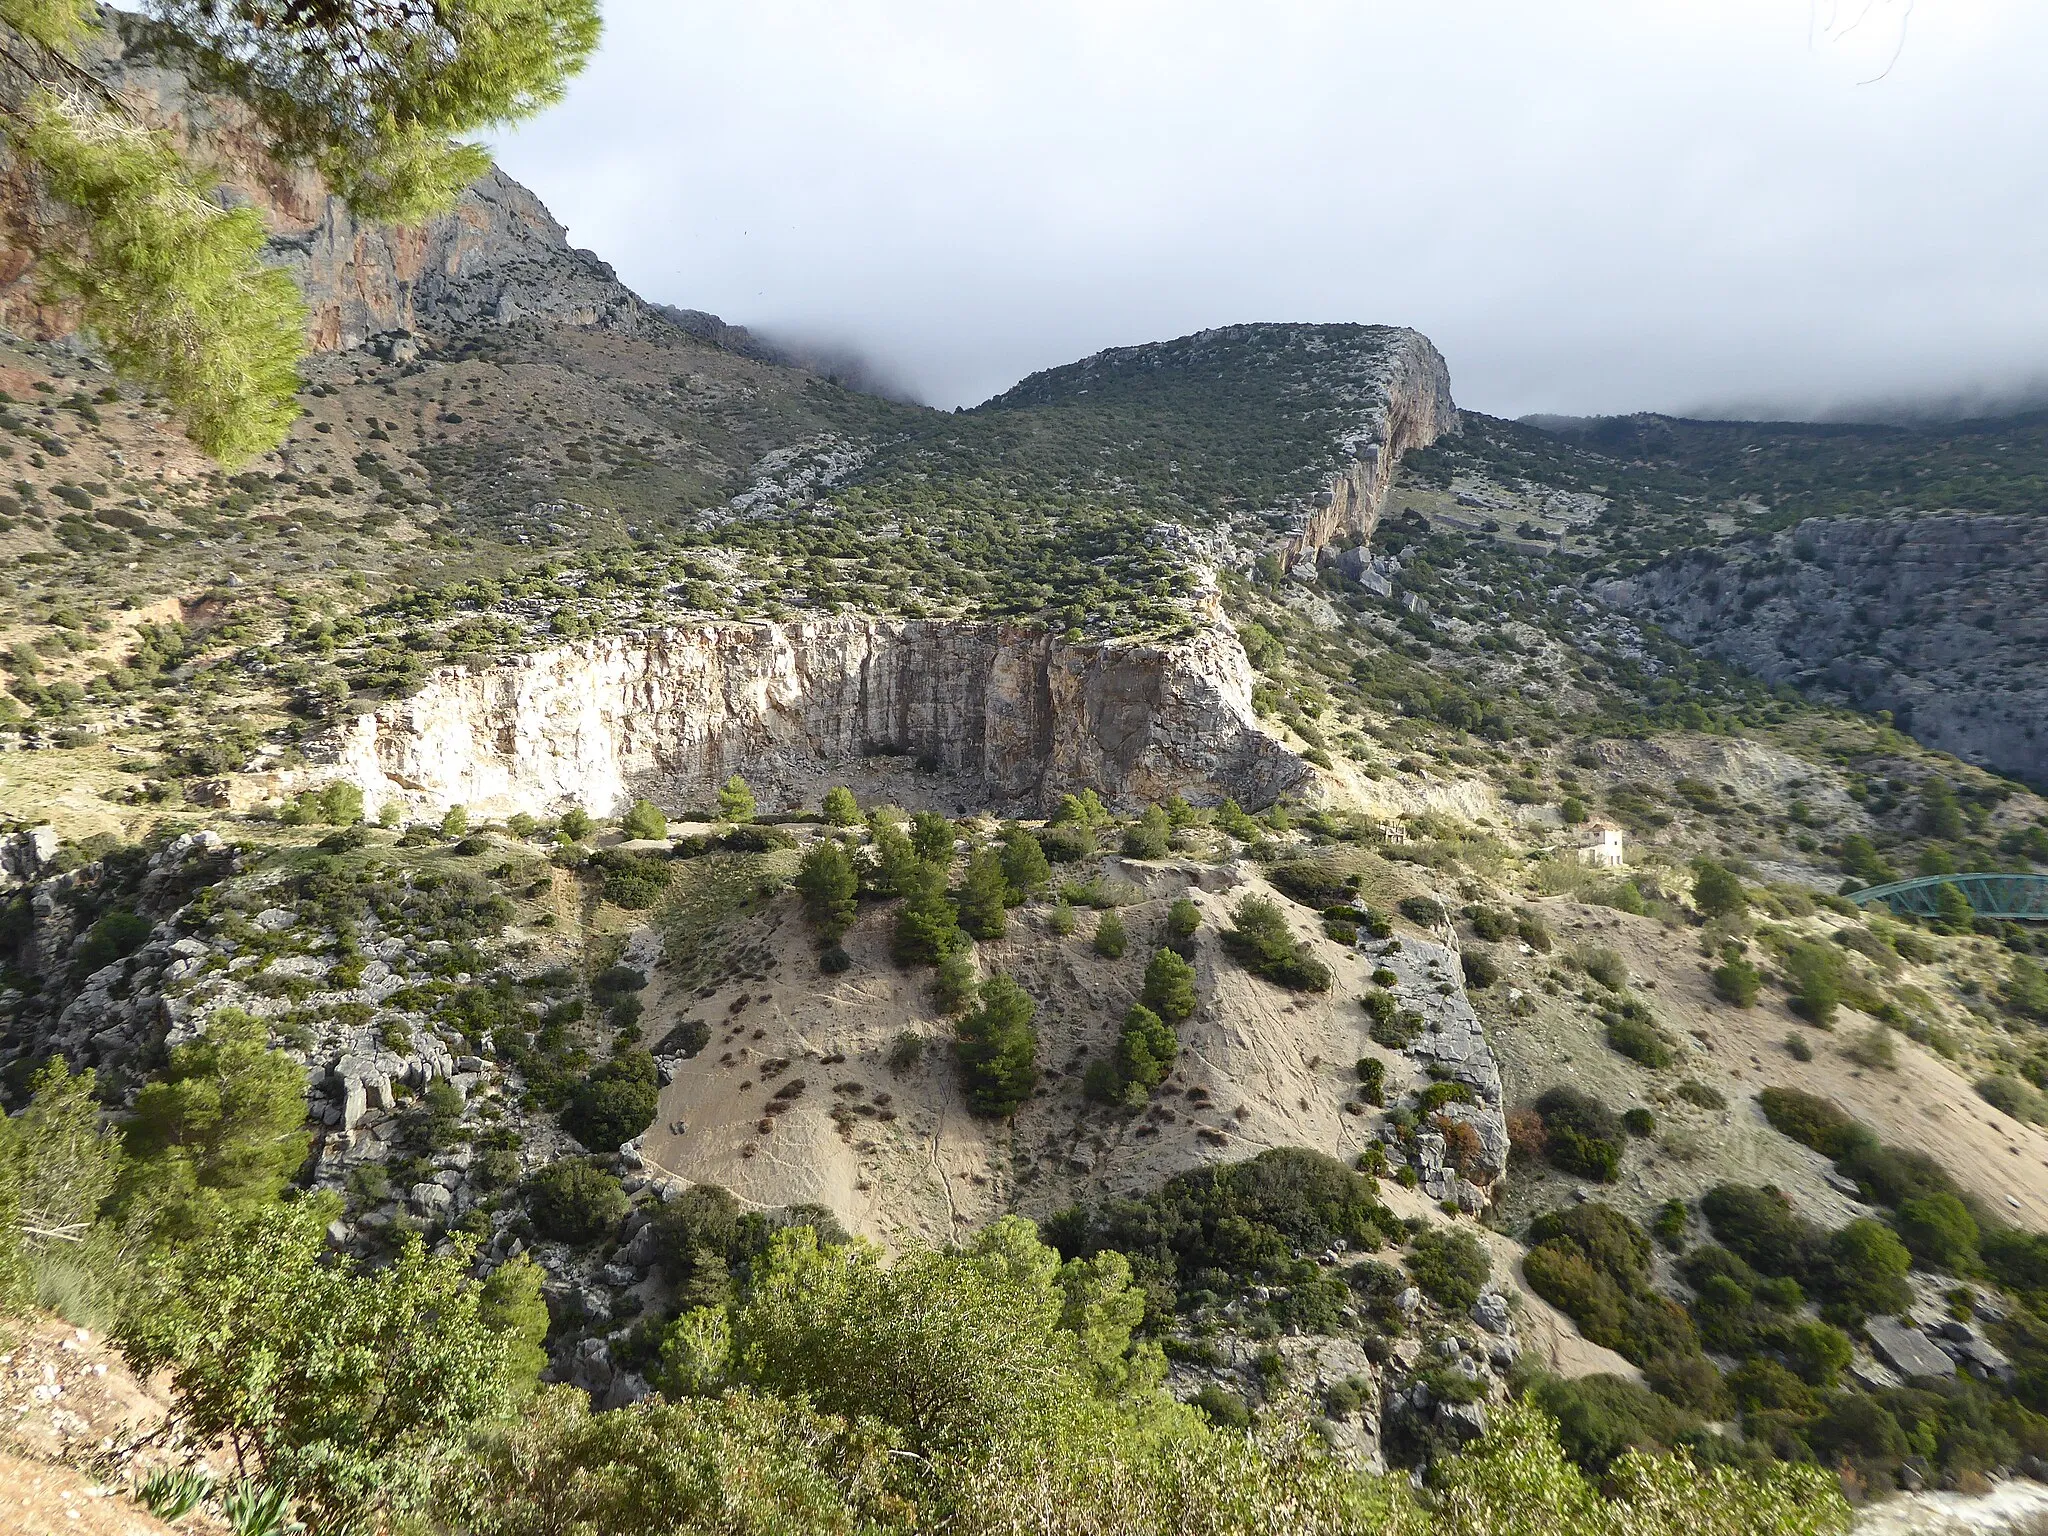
column 1414, row 408
column 1942, row 620
column 497, row 256
column 671, row 713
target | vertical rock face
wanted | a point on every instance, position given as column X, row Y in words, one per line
column 671, row 713
column 1941, row 620
column 1414, row 409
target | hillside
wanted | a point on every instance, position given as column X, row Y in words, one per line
column 607, row 814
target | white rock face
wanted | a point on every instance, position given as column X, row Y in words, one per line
column 671, row 713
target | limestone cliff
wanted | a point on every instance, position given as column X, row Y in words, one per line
column 1412, row 409
column 670, row 713
column 497, row 256
column 1941, row 620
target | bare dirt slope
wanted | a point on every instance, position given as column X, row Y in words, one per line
column 1260, row 1067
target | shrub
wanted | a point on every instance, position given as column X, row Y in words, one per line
column 1222, row 1407
column 1145, row 1049
column 926, row 924
column 1450, row 1266
column 614, row 1103
column 840, row 808
column 1865, row 1268
column 575, row 1201
column 1874, row 1048
column 115, row 936
column 1183, row 919
column 1261, row 941
column 1716, row 891
column 1372, row 1080
column 1605, row 966
column 1693, row 1091
column 1581, row 1134
column 631, row 881
column 1737, row 981
column 1480, row 968
column 1423, row 911
column 1633, row 1033
column 1940, row 1232
column 736, row 800
column 1149, row 836
column 644, row 821
column 1796, row 1046
column 984, row 893
column 1813, row 1121
column 1639, row 1123
column 829, row 886
column 2013, row 1096
column 1602, row 1418
column 1758, row 1226
column 906, row 1050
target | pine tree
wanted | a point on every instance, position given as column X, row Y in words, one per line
column 1149, row 836
column 736, row 800
column 1024, row 865
column 893, row 861
column 644, row 820
column 1169, row 989
column 998, row 1048
column 926, row 924
column 1109, row 935
column 932, row 836
column 170, row 281
column 983, row 892
column 1145, row 1049
column 826, row 881
column 840, row 808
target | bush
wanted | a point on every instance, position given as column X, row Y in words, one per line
column 1261, row 941
column 1025, row 868
column 1874, row 1048
column 1149, row 836
column 644, row 821
column 615, row 1103
column 1759, row 1227
column 1605, row 966
column 1639, row 1123
column 736, row 800
column 2013, row 1096
column 1738, row 982
column 1632, row 1032
column 1372, row 1080
column 631, row 881
column 1581, row 1134
column 1183, row 919
column 1480, row 968
column 575, row 1201
column 1450, row 1266
column 1716, row 891
column 1602, row 1418
column 984, row 893
column 829, row 886
column 1813, row 1121
column 1940, row 1232
column 840, row 809
column 1222, row 1407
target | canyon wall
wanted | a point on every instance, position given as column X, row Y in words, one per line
column 1414, row 410
column 670, row 713
column 1942, row 620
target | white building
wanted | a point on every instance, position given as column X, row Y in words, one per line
column 1600, row 845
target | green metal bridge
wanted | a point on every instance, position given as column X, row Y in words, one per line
column 2023, row 897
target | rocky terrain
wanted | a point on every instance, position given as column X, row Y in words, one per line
column 1936, row 619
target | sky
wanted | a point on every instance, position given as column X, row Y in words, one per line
column 1734, row 207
